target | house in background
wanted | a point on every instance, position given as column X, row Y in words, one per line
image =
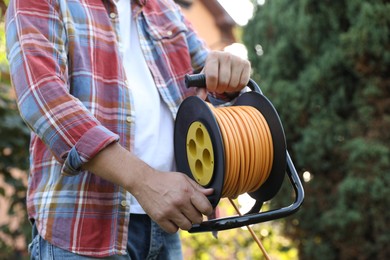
column 213, row 24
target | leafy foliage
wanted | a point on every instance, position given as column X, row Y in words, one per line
column 238, row 243
column 326, row 67
column 14, row 138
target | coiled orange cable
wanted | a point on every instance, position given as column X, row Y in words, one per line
column 248, row 148
column 249, row 153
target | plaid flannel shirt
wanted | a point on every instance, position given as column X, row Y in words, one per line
column 66, row 67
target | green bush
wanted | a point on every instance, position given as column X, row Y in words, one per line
column 326, row 67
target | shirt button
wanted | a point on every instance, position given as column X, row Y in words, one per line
column 123, row 203
column 169, row 33
column 112, row 15
column 128, row 119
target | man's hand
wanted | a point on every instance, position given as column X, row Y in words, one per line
column 171, row 199
column 225, row 72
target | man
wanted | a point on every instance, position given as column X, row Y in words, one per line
column 99, row 83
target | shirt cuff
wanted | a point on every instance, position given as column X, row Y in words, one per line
column 91, row 143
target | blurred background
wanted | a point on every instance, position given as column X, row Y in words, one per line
column 325, row 65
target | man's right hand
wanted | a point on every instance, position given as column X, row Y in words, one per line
column 171, row 199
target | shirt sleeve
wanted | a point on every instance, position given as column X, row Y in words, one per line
column 36, row 51
column 197, row 48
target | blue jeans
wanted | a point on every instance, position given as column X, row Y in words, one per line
column 146, row 240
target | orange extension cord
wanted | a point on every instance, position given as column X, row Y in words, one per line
column 248, row 148
column 257, row 240
column 248, row 151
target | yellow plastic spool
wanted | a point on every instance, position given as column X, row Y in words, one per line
column 200, row 153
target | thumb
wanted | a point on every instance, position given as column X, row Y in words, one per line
column 203, row 190
column 207, row 192
column 199, row 188
column 201, row 93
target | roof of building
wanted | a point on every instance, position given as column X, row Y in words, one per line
column 222, row 18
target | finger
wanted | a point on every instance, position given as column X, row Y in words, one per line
column 168, row 226
column 224, row 73
column 207, row 192
column 199, row 199
column 201, row 203
column 240, row 75
column 199, row 188
column 234, row 80
column 238, row 67
column 182, row 222
column 192, row 214
column 245, row 75
column 211, row 72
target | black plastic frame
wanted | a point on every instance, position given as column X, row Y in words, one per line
column 253, row 216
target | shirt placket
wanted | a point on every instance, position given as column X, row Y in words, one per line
column 112, row 12
column 125, row 197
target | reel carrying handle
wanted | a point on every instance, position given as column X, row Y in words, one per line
column 253, row 216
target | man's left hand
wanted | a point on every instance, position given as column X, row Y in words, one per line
column 225, row 72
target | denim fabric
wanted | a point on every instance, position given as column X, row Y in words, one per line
column 146, row 241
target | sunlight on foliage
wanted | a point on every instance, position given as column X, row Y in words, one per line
column 238, row 243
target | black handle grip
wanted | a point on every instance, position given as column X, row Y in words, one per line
column 195, row 80
column 199, row 80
